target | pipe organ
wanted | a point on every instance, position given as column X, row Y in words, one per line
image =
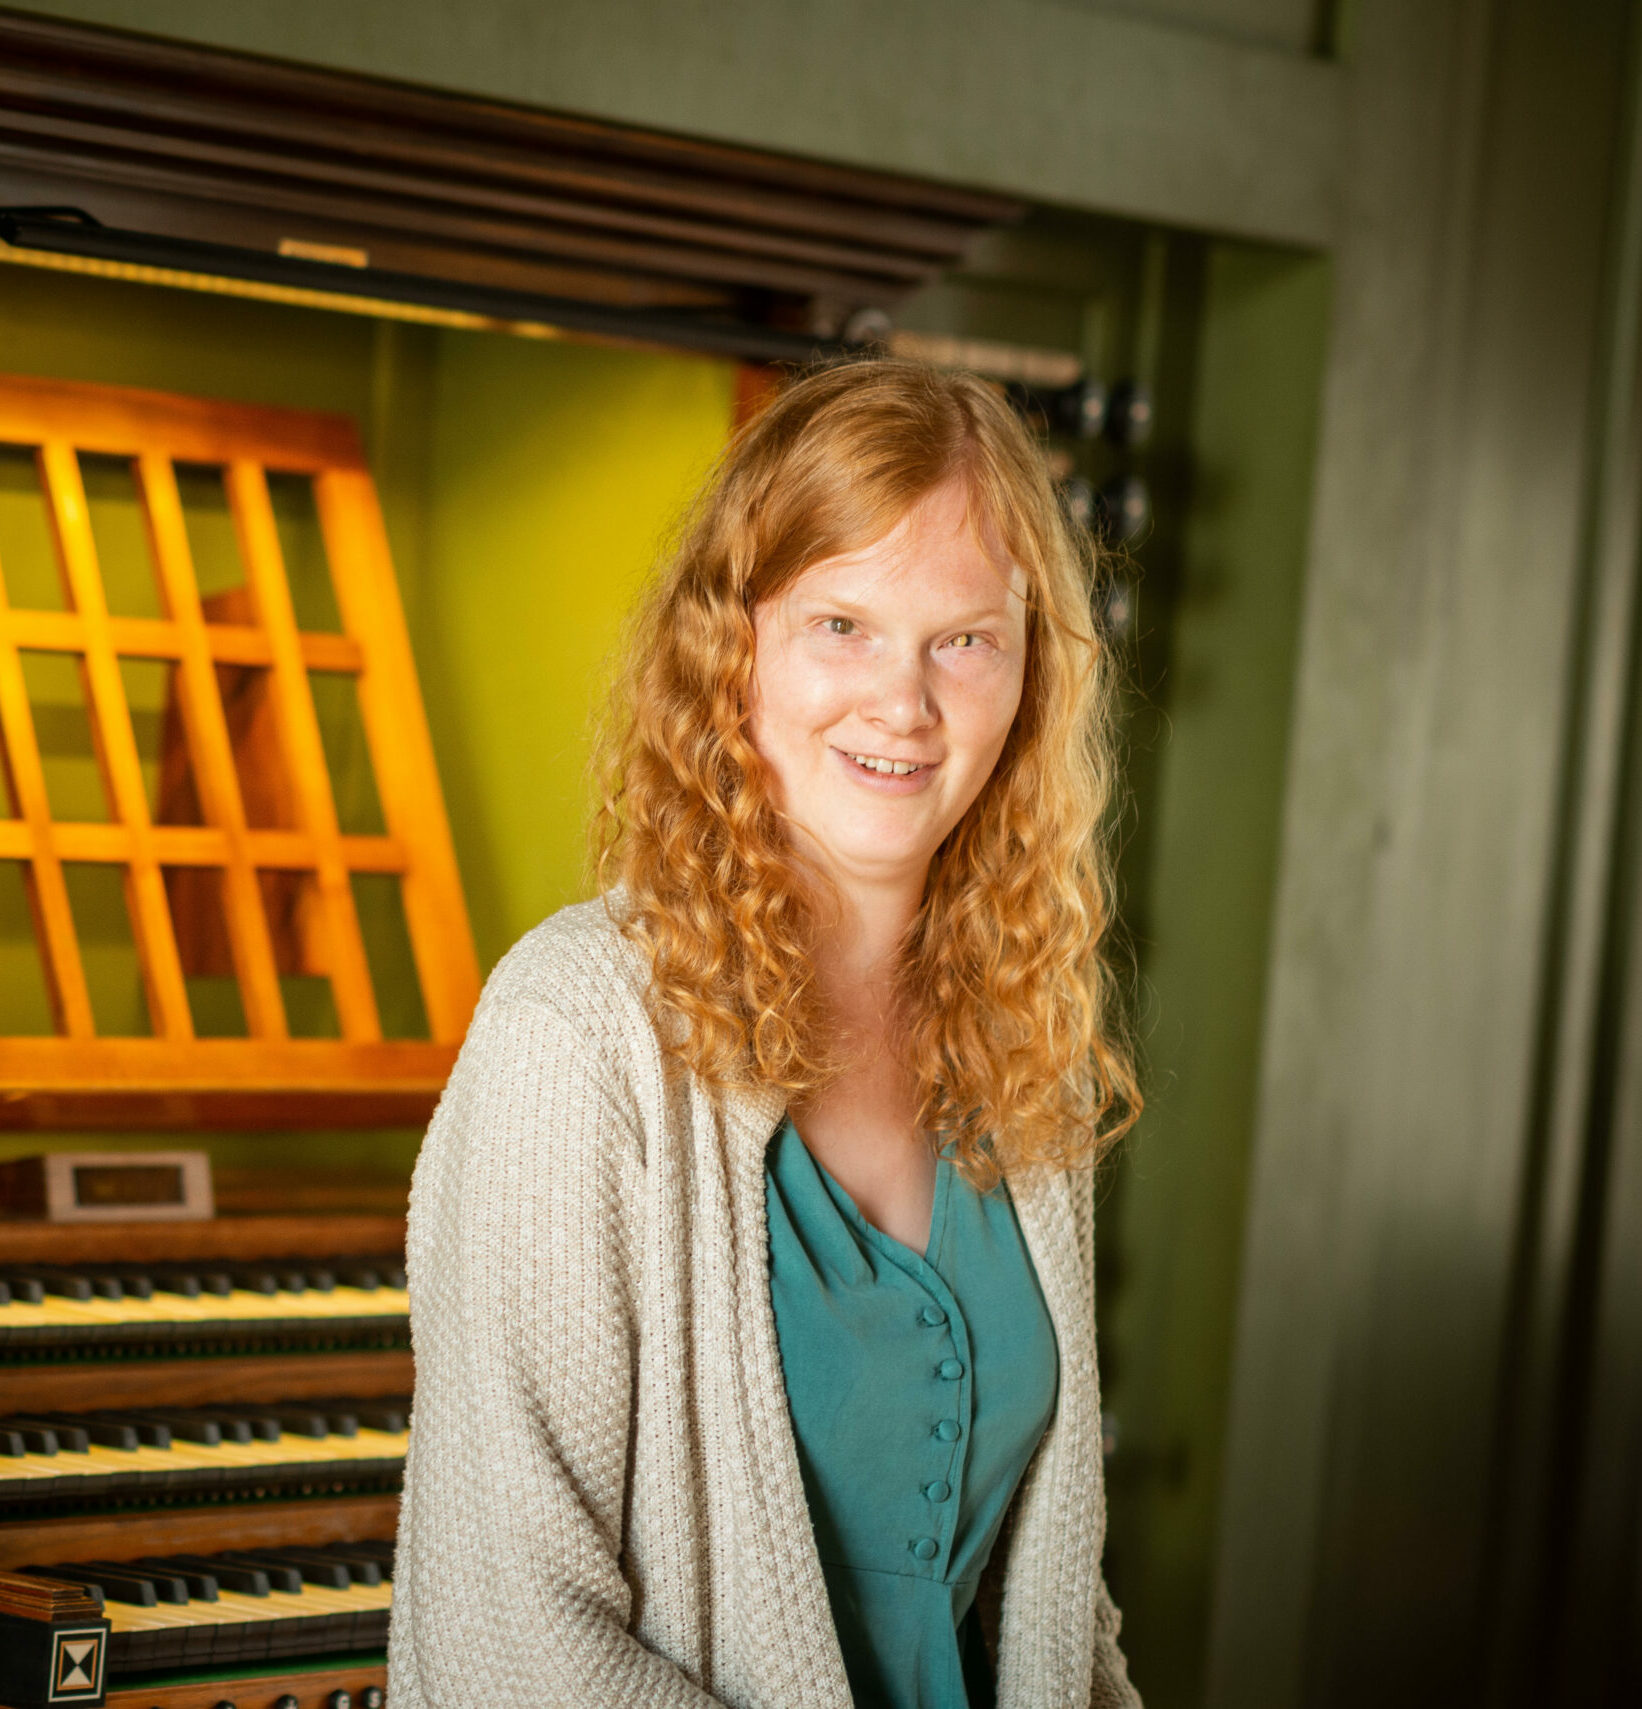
column 202, row 1435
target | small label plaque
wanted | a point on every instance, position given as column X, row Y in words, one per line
column 108, row 1186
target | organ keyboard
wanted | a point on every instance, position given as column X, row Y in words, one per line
column 202, row 1436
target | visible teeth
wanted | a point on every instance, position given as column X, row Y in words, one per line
column 889, row 768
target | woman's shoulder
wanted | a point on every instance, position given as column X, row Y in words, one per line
column 564, row 1004
column 575, row 962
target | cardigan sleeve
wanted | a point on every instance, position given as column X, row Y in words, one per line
column 1111, row 1688
column 508, row 1589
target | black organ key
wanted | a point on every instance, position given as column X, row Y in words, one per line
column 136, row 1279
column 168, row 1586
column 366, row 1569
column 187, row 1426
column 29, row 1289
column 151, row 1432
column 300, row 1421
column 230, row 1426
column 366, row 1276
column 37, row 1438
column 259, row 1425
column 113, row 1587
column 5, row 1293
column 72, row 1438
column 202, row 1583
column 106, row 1433
column 12, row 1445
column 266, row 1278
column 229, row 1574
column 321, row 1279
column 81, row 1284
column 262, row 1426
column 360, row 1568
column 66, row 1284
column 281, row 1575
column 314, row 1568
column 393, row 1418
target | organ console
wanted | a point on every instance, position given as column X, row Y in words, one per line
column 202, row 1437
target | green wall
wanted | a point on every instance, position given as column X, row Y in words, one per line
column 1220, row 600
column 558, row 472
column 528, row 486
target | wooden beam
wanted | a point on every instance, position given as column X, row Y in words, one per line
column 255, row 1525
column 1080, row 106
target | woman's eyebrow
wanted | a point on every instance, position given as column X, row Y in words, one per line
column 853, row 608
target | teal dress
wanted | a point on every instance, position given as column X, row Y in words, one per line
column 919, row 1388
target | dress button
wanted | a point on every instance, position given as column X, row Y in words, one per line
column 951, row 1369
column 925, row 1548
column 939, row 1490
column 932, row 1317
column 949, row 1430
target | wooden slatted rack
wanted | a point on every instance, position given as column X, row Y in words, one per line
column 266, row 1077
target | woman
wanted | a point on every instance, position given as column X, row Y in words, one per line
column 751, row 1248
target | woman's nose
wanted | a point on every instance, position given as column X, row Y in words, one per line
column 898, row 696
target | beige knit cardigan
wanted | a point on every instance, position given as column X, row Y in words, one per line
column 603, row 1505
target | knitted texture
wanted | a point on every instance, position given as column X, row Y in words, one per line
column 603, row 1505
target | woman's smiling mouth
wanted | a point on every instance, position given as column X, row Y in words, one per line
column 882, row 770
column 886, row 768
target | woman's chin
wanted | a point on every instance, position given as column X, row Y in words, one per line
column 878, row 861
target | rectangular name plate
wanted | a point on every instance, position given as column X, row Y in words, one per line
column 107, row 1186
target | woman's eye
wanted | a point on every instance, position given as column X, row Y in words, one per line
column 839, row 625
column 966, row 640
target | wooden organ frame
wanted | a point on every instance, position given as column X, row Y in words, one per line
column 267, row 1077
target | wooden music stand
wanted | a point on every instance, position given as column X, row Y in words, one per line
column 287, row 898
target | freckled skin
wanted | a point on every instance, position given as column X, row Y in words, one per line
column 913, row 648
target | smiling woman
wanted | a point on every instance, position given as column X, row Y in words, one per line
column 751, row 1249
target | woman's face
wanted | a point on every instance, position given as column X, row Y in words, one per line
column 909, row 653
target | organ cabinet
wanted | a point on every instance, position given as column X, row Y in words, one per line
column 203, row 1423
column 202, row 1434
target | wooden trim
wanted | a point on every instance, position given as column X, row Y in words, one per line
column 276, row 1108
column 199, row 845
column 296, row 100
column 126, row 421
column 308, row 1688
column 115, row 744
column 223, row 1237
column 238, row 1381
column 68, row 1065
column 192, row 143
column 390, row 703
column 299, row 729
column 159, row 638
column 211, row 750
column 344, row 1519
column 48, row 895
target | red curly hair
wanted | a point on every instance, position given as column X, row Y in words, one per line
column 1011, row 1025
